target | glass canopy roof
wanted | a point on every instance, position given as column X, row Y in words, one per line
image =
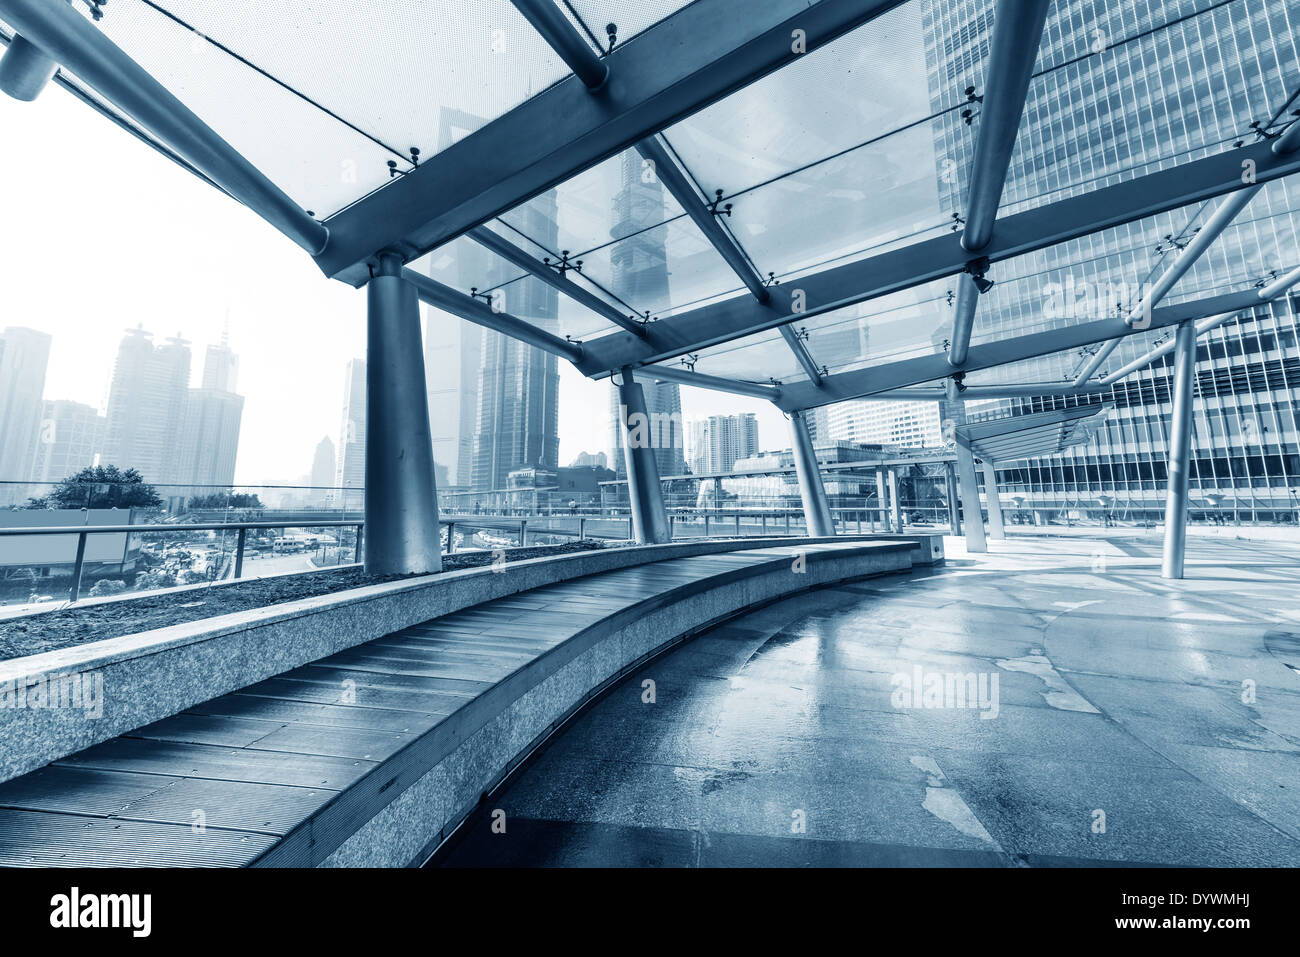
column 859, row 151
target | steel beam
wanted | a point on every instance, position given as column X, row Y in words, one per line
column 1142, row 361
column 547, row 19
column 812, row 490
column 473, row 310
column 1228, row 210
column 863, row 383
column 699, row 380
column 1267, row 293
column 802, row 354
column 1180, row 453
column 68, row 38
column 922, row 262
column 531, row 264
column 401, row 527
column 1017, row 34
column 1285, row 282
column 688, row 60
column 688, row 197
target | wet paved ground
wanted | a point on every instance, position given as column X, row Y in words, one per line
column 1135, row 721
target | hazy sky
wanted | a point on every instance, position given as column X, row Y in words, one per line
column 99, row 233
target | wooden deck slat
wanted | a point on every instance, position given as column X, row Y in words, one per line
column 258, row 762
column 222, row 764
column 249, row 705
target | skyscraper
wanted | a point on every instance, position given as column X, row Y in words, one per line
column 519, row 386
column 24, row 356
column 716, row 443
column 209, row 438
column 323, row 472
column 639, row 273
column 220, row 367
column 1195, row 75
column 70, row 436
column 876, row 422
column 453, row 357
column 146, row 406
column 351, row 472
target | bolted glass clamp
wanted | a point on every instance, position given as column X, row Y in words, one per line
column 977, row 269
column 968, row 114
column 564, row 263
column 96, row 8
column 611, row 32
column 717, row 202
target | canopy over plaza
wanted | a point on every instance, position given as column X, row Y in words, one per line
column 836, row 216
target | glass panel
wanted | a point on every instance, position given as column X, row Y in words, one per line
column 671, row 264
column 866, row 84
column 901, row 325
column 886, row 191
column 465, row 265
column 757, row 358
column 535, row 302
column 630, row 16
column 321, row 163
column 1149, row 100
column 408, row 73
column 610, row 201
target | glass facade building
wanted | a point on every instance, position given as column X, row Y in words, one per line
column 1122, row 90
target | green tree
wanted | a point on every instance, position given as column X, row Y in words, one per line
column 226, row 500
column 100, row 486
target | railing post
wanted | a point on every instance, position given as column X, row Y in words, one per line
column 74, row 590
column 706, row 524
column 356, row 555
column 787, row 524
column 523, row 533
column 582, row 529
column 239, row 550
column 451, row 537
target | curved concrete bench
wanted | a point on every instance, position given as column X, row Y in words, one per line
column 137, row 679
column 374, row 752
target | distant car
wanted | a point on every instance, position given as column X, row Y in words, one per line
column 40, row 599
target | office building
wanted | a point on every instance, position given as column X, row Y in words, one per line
column 146, row 407
column 24, row 356
column 350, row 474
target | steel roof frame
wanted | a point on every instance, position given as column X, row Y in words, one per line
column 683, row 63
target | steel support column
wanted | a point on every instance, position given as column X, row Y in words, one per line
column 25, row 70
column 401, row 495
column 882, row 498
column 996, row 532
column 895, row 506
column 812, row 490
column 973, row 522
column 1180, row 452
column 954, row 512
column 645, row 495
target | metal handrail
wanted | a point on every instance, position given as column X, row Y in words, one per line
column 710, row 516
